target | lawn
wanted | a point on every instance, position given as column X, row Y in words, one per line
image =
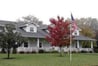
column 48, row 59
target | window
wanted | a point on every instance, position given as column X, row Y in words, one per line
column 31, row 29
column 75, row 33
column 40, row 45
column 25, row 44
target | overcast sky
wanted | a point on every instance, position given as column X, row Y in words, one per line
column 45, row 9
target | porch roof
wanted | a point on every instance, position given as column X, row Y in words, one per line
column 81, row 37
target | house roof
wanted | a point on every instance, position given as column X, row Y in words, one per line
column 3, row 22
column 41, row 33
column 81, row 37
column 43, row 27
column 38, row 34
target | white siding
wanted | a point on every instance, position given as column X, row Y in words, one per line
column 32, row 46
column 27, row 29
column 76, row 33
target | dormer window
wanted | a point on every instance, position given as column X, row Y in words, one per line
column 75, row 33
column 31, row 29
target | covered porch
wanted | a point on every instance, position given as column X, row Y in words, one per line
column 83, row 43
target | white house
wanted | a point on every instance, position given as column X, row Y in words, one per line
column 36, row 38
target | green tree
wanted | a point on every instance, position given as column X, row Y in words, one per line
column 30, row 19
column 91, row 22
column 87, row 31
column 10, row 38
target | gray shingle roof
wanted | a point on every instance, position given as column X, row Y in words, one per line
column 3, row 22
column 43, row 27
column 41, row 33
column 81, row 37
column 38, row 34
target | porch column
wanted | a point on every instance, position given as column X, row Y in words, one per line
column 78, row 46
column 37, row 42
column 77, row 43
column 37, row 50
column 92, row 44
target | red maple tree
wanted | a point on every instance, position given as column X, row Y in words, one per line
column 59, row 32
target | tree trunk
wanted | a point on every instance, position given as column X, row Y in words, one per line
column 61, row 51
column 8, row 52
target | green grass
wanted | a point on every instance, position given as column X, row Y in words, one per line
column 47, row 59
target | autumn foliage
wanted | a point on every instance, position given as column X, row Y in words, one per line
column 59, row 32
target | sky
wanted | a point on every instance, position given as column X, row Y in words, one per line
column 45, row 9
